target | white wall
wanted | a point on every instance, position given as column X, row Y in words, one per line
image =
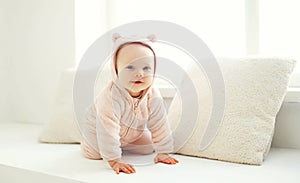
column 5, row 85
column 41, row 35
column 5, row 66
column 287, row 126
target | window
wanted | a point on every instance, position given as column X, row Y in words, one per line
column 279, row 31
column 230, row 28
column 219, row 23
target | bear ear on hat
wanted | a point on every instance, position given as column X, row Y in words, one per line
column 152, row 38
column 116, row 36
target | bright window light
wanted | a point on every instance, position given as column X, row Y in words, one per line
column 279, row 31
column 220, row 24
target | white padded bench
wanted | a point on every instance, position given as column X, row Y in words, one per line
column 24, row 159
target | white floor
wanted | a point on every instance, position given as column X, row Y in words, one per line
column 23, row 159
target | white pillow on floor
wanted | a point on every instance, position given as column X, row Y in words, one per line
column 254, row 91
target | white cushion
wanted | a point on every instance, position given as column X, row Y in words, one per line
column 62, row 127
column 254, row 91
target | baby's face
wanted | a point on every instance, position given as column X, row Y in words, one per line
column 135, row 65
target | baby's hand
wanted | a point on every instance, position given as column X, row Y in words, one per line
column 165, row 158
column 119, row 166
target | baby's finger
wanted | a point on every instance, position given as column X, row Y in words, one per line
column 170, row 161
column 156, row 160
column 130, row 168
column 127, row 166
column 167, row 161
column 124, row 169
column 173, row 161
column 176, row 160
column 117, row 170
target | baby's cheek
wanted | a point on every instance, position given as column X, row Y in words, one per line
column 125, row 77
column 151, row 73
column 149, row 80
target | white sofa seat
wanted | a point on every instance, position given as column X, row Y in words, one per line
column 24, row 159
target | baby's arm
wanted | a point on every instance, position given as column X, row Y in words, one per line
column 160, row 130
column 108, row 129
column 109, row 145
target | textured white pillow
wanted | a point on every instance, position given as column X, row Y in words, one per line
column 254, row 91
column 63, row 127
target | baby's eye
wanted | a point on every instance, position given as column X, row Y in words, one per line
column 147, row 68
column 129, row 67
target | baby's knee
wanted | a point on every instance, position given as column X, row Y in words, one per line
column 90, row 153
column 93, row 157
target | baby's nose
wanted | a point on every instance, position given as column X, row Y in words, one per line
column 138, row 74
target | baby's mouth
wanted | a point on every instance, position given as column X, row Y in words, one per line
column 137, row 82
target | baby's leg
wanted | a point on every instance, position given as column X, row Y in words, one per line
column 89, row 152
column 143, row 145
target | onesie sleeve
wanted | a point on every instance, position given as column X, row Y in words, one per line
column 158, row 124
column 108, row 127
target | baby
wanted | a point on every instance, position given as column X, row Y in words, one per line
column 129, row 114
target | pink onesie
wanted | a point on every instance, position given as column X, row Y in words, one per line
column 116, row 119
